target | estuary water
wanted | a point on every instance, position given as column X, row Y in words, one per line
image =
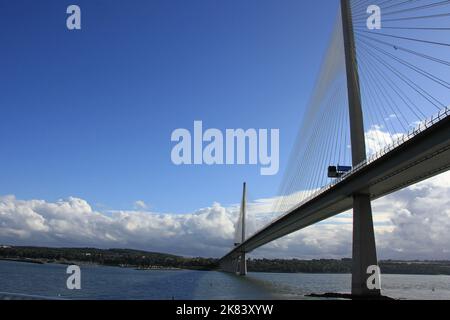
column 100, row 282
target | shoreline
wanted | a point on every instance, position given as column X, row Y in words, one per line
column 157, row 268
column 84, row 263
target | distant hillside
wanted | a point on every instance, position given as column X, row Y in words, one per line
column 111, row 257
column 345, row 266
column 153, row 260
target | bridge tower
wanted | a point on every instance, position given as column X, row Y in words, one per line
column 364, row 247
column 243, row 258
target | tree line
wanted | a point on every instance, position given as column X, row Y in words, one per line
column 144, row 259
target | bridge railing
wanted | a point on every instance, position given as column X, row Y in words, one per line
column 445, row 112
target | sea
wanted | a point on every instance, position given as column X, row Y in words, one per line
column 106, row 283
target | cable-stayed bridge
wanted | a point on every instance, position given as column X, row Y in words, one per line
column 377, row 122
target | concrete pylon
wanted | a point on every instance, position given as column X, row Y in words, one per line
column 243, row 258
column 364, row 248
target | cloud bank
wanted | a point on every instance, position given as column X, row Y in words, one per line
column 411, row 224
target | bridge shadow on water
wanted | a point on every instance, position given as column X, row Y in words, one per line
column 266, row 286
column 221, row 286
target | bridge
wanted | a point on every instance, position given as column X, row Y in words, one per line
column 387, row 73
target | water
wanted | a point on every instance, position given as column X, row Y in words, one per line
column 100, row 282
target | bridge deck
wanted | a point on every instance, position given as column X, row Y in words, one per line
column 422, row 154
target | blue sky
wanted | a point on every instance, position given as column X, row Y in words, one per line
column 89, row 113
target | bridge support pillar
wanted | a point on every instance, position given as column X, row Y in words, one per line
column 243, row 265
column 364, row 250
column 243, row 260
column 364, row 247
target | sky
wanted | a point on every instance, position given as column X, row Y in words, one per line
column 90, row 113
column 87, row 117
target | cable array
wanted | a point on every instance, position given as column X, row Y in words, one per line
column 404, row 75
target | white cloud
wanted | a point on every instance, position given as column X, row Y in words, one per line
column 140, row 205
column 376, row 139
column 412, row 223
